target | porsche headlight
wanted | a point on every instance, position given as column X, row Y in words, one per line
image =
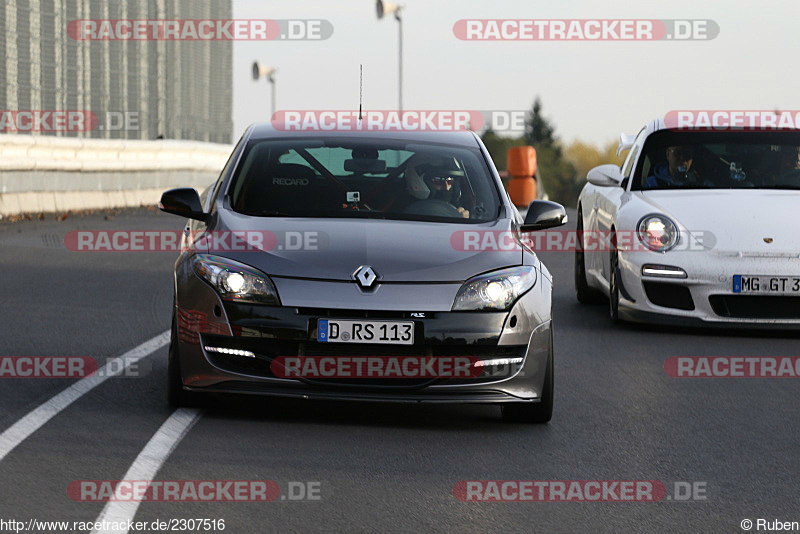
column 495, row 291
column 658, row 233
column 235, row 281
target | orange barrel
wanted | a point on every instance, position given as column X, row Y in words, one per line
column 521, row 166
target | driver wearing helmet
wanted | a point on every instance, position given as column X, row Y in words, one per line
column 676, row 171
column 789, row 172
column 427, row 179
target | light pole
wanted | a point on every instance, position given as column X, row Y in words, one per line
column 385, row 8
column 260, row 70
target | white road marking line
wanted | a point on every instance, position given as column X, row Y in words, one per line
column 147, row 465
column 34, row 420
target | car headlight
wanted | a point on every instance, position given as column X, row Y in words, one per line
column 495, row 291
column 235, row 281
column 658, row 233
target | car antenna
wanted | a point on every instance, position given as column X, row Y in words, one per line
column 360, row 89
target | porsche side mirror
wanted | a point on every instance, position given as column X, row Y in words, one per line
column 605, row 175
column 184, row 201
column 543, row 214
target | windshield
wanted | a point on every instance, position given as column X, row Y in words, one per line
column 380, row 179
column 719, row 160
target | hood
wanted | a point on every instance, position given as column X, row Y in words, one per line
column 739, row 220
column 399, row 251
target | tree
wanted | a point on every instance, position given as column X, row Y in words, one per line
column 584, row 157
column 554, row 173
column 561, row 171
column 539, row 133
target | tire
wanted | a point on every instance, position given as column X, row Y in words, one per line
column 584, row 293
column 538, row 413
column 613, row 287
column 176, row 396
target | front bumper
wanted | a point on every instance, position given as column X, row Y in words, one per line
column 705, row 297
column 276, row 331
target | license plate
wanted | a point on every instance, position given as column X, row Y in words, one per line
column 778, row 285
column 384, row 332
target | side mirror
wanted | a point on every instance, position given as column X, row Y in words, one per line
column 183, row 201
column 605, row 175
column 543, row 214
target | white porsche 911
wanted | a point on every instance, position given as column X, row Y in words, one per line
column 704, row 229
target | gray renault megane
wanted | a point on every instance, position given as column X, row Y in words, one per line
column 321, row 263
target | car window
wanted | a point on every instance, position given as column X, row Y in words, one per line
column 720, row 160
column 364, row 178
column 292, row 157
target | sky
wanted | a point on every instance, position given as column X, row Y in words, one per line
column 591, row 91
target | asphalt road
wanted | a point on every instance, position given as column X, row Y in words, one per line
column 618, row 416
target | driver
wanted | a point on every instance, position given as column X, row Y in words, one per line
column 676, row 171
column 428, row 180
column 789, row 172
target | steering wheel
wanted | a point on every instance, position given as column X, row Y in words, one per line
column 433, row 208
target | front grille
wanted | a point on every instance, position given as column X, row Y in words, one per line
column 756, row 306
column 669, row 295
column 267, row 349
column 362, row 349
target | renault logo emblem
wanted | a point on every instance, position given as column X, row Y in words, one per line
column 365, row 276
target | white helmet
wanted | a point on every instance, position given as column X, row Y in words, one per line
column 415, row 184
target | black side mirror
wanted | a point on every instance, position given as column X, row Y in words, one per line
column 543, row 214
column 183, row 201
